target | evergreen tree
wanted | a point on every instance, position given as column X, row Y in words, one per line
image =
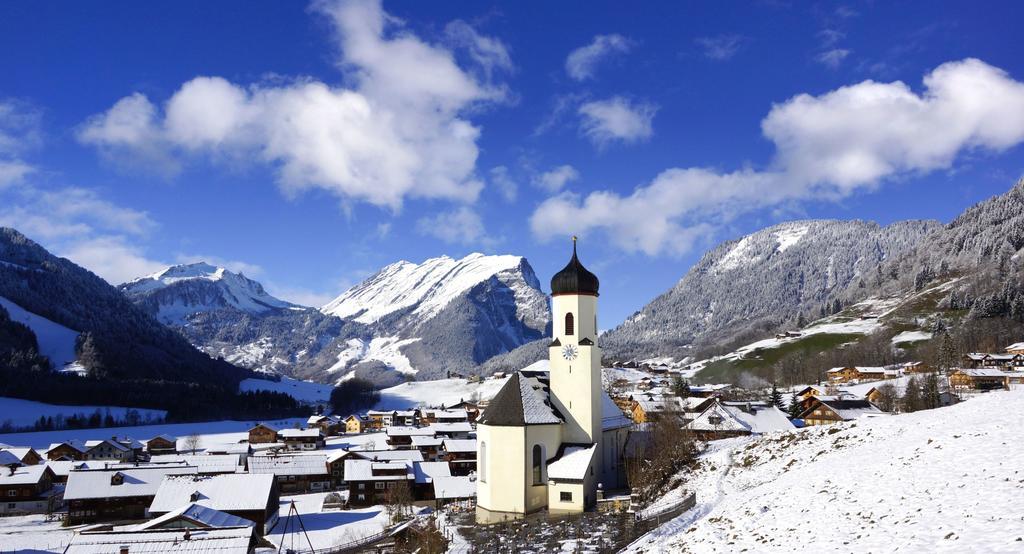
column 931, row 396
column 680, row 387
column 794, row 408
column 912, row 397
column 776, row 398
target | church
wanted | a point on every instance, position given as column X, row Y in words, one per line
column 551, row 439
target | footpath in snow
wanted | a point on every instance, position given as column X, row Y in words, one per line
column 945, row 480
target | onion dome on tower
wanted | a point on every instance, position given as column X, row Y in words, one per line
column 574, row 278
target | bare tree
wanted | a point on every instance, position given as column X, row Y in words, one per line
column 398, row 500
column 192, row 443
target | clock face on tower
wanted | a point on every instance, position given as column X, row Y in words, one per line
column 569, row 352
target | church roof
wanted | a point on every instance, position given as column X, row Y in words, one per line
column 574, row 278
column 519, row 403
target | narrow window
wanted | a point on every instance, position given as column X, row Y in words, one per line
column 483, row 462
column 569, row 324
column 538, row 460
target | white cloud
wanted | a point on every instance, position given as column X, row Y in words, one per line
column 582, row 62
column 111, row 257
column 832, row 58
column 503, row 181
column 554, row 179
column 399, row 132
column 488, row 52
column 616, row 119
column 830, row 36
column 19, row 132
column 300, row 295
column 826, row 147
column 459, row 226
column 721, row 47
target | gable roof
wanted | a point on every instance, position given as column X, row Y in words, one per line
column 234, row 539
column 851, row 409
column 142, row 481
column 518, row 404
column 237, row 491
column 198, row 514
column 297, row 464
column 573, row 462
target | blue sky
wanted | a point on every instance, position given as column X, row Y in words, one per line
column 309, row 145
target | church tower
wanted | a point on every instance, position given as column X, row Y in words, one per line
column 574, row 354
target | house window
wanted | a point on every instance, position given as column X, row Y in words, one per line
column 538, row 461
column 565, row 496
column 569, row 324
column 483, row 462
column 12, row 493
column 715, row 420
column 378, row 486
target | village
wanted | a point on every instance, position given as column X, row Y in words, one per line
column 342, row 482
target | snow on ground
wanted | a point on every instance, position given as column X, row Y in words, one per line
column 22, row 413
column 34, row 533
column 56, row 341
column 212, row 433
column 437, row 392
column 303, row 391
column 325, row 528
column 789, row 236
column 945, row 480
column 911, row 336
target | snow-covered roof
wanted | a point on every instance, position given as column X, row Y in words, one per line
column 1015, row 346
column 205, row 463
column 20, row 451
column 454, row 487
column 22, row 475
column 760, row 419
column 236, row 491
column 8, row 458
column 983, row 372
column 611, row 416
column 202, row 515
column 402, row 431
column 455, row 427
column 367, row 470
column 142, row 481
column 716, row 418
column 451, row 414
column 669, row 404
column 90, row 444
column 428, row 471
column 201, row 541
column 420, row 441
column 289, row 465
column 411, row 455
column 460, row 445
column 852, row 409
column 169, row 438
column 573, row 463
column 74, row 443
column 311, row 433
column 519, row 403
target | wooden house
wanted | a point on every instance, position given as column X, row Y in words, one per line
column 400, row 437
column 982, row 378
column 27, row 489
column 1016, row 348
column 25, row 454
column 96, row 495
column 295, row 473
column 645, row 411
column 829, row 411
column 262, row 434
column 460, row 455
column 369, row 481
column 302, row 439
column 916, row 367
column 162, row 444
column 252, row 497
column 192, row 538
column 978, row 360
column 354, row 424
column 67, row 450
column 109, row 450
column 328, row 425
column 472, row 409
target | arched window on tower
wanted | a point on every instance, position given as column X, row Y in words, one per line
column 483, row 462
column 538, row 465
column 569, row 324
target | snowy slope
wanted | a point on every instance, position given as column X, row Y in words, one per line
column 181, row 290
column 427, row 287
column 24, row 413
column 941, row 480
column 303, row 391
column 56, row 341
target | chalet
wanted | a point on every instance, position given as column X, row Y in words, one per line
column 441, row 415
column 262, row 433
column 983, row 378
column 1016, row 348
column 162, row 444
column 205, row 464
column 253, row 497
column 199, row 540
column 354, row 424
column 860, row 373
column 460, row 455
column 378, row 420
column 295, row 473
column 472, row 409
column 827, row 412
column 400, row 437
column 67, row 450
column 426, row 473
column 369, row 481
column 645, row 411
column 107, row 449
column 429, row 446
column 114, row 494
column 328, row 425
column 916, row 367
column 302, row 439
column 723, row 420
column 62, row 468
column 135, row 448
column 459, row 430
column 706, row 391
column 454, row 488
column 1014, row 379
column 27, row 489
column 977, row 360
column 25, row 454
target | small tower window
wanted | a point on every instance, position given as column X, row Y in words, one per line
column 538, row 465
column 483, row 462
column 569, row 324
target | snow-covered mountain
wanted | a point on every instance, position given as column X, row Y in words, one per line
column 409, row 321
column 750, row 286
column 181, row 290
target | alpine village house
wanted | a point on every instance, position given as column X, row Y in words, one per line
column 543, row 442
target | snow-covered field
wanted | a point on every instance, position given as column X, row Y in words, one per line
column 56, row 341
column 437, row 392
column 945, row 480
column 33, row 533
column 22, row 413
column 303, row 391
column 326, row 528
